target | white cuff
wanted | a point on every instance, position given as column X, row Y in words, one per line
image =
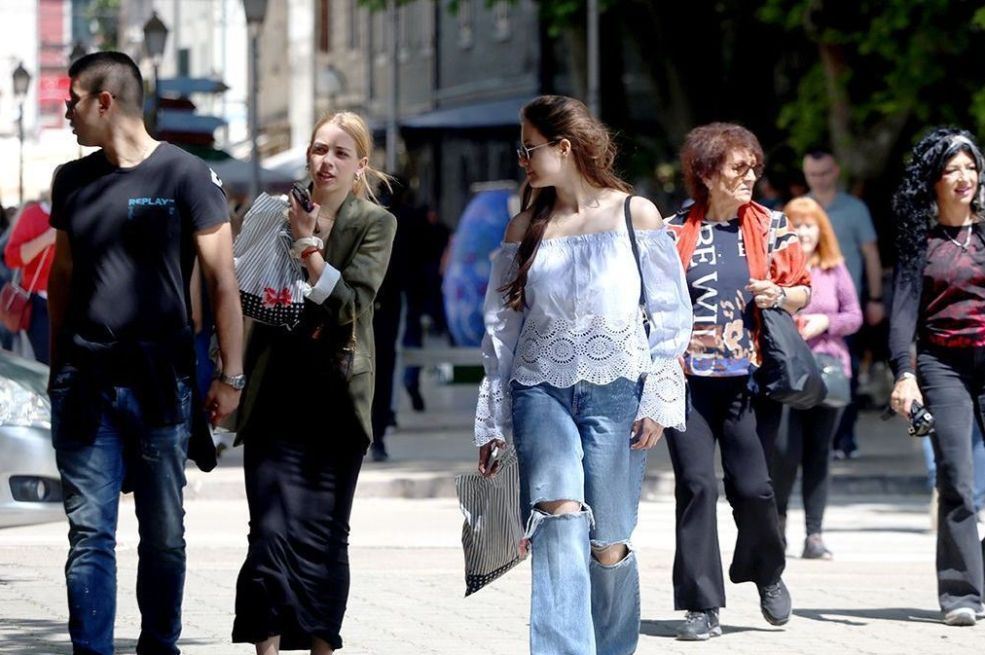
column 323, row 288
column 664, row 395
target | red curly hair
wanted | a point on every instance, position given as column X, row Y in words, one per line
column 705, row 150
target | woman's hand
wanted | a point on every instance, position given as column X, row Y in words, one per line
column 812, row 325
column 302, row 223
column 904, row 393
column 485, row 451
column 765, row 293
column 646, row 434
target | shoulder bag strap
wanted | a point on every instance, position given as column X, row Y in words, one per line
column 37, row 271
column 644, row 307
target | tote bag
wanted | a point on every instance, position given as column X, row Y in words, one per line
column 788, row 374
column 271, row 282
column 492, row 531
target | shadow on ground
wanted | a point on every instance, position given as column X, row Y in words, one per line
column 653, row 628
column 49, row 637
column 865, row 616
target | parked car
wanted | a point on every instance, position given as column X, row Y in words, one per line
column 30, row 488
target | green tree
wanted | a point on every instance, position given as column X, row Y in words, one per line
column 104, row 20
column 883, row 70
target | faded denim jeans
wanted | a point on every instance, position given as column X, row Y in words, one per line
column 574, row 444
column 152, row 459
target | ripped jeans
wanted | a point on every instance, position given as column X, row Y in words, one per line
column 574, row 444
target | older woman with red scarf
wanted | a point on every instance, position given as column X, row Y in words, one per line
column 723, row 241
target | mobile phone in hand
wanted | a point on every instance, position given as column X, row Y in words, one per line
column 301, row 195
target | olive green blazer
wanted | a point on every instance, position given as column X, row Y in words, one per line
column 359, row 248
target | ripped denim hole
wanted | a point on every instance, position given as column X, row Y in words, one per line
column 628, row 557
column 537, row 516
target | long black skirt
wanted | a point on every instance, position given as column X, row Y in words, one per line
column 295, row 580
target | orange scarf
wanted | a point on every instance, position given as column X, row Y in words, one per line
column 754, row 221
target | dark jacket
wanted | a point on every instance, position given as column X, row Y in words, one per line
column 359, row 247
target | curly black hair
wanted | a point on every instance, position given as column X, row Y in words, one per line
column 915, row 203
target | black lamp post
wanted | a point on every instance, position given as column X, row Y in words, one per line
column 155, row 38
column 22, row 81
column 256, row 11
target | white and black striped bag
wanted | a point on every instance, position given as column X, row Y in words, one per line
column 492, row 532
column 271, row 282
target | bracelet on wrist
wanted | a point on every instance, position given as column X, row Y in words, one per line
column 906, row 375
column 302, row 244
column 780, row 299
column 877, row 299
column 307, row 252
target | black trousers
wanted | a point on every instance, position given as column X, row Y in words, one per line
column 745, row 427
column 952, row 381
column 805, row 444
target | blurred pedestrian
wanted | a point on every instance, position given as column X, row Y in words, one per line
column 130, row 219
column 573, row 376
column 856, row 235
column 832, row 313
column 427, row 238
column 31, row 250
column 939, row 298
column 722, row 241
column 305, row 419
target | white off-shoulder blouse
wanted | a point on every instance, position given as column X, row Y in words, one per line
column 582, row 322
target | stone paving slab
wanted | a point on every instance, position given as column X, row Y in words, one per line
column 877, row 595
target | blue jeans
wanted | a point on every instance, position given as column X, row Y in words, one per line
column 152, row 459
column 574, row 444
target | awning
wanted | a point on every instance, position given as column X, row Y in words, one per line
column 184, row 86
column 495, row 113
column 186, row 121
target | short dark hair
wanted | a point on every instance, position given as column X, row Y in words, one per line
column 819, row 152
column 115, row 73
column 705, row 150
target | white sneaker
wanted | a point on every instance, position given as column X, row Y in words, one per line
column 962, row 616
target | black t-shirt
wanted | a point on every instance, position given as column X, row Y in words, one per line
column 132, row 236
column 721, row 341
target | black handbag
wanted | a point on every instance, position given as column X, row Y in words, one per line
column 838, row 385
column 788, row 373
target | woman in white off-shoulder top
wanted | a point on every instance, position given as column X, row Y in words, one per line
column 574, row 378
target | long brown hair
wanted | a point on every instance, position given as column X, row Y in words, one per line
column 560, row 117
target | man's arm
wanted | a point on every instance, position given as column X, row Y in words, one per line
column 59, row 283
column 875, row 310
column 215, row 254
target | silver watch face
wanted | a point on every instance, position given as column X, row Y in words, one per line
column 237, row 382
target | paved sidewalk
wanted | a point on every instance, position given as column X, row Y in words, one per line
column 430, row 447
column 876, row 596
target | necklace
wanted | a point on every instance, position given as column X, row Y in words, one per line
column 967, row 240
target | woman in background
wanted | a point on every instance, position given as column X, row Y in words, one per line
column 832, row 314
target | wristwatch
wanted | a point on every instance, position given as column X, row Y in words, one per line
column 906, row 375
column 237, row 382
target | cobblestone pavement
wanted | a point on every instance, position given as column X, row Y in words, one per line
column 876, row 596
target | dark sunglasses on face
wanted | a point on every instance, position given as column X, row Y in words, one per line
column 72, row 103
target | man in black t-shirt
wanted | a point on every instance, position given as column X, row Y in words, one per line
column 131, row 218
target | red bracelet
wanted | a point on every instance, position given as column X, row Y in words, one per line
column 307, row 252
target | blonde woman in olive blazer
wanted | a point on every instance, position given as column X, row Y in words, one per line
column 305, row 424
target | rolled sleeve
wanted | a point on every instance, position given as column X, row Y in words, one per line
column 323, row 288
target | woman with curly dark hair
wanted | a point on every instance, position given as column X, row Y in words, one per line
column 940, row 286
column 722, row 242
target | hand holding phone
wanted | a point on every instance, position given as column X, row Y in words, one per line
column 301, row 195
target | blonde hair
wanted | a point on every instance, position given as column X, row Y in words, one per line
column 354, row 125
column 827, row 254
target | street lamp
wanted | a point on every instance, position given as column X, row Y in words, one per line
column 155, row 38
column 22, row 80
column 256, row 11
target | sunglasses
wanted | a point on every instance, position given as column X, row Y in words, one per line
column 71, row 104
column 523, row 153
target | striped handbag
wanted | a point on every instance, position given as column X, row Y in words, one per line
column 492, row 531
column 271, row 282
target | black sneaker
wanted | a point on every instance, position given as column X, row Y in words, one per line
column 814, row 548
column 378, row 453
column 774, row 600
column 699, row 626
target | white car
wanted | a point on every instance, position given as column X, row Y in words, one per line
column 30, row 487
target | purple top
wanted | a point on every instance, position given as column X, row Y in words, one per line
column 833, row 294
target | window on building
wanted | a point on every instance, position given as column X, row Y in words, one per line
column 184, row 62
column 501, row 20
column 427, row 26
column 404, row 19
column 325, row 25
column 353, row 24
column 466, row 19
